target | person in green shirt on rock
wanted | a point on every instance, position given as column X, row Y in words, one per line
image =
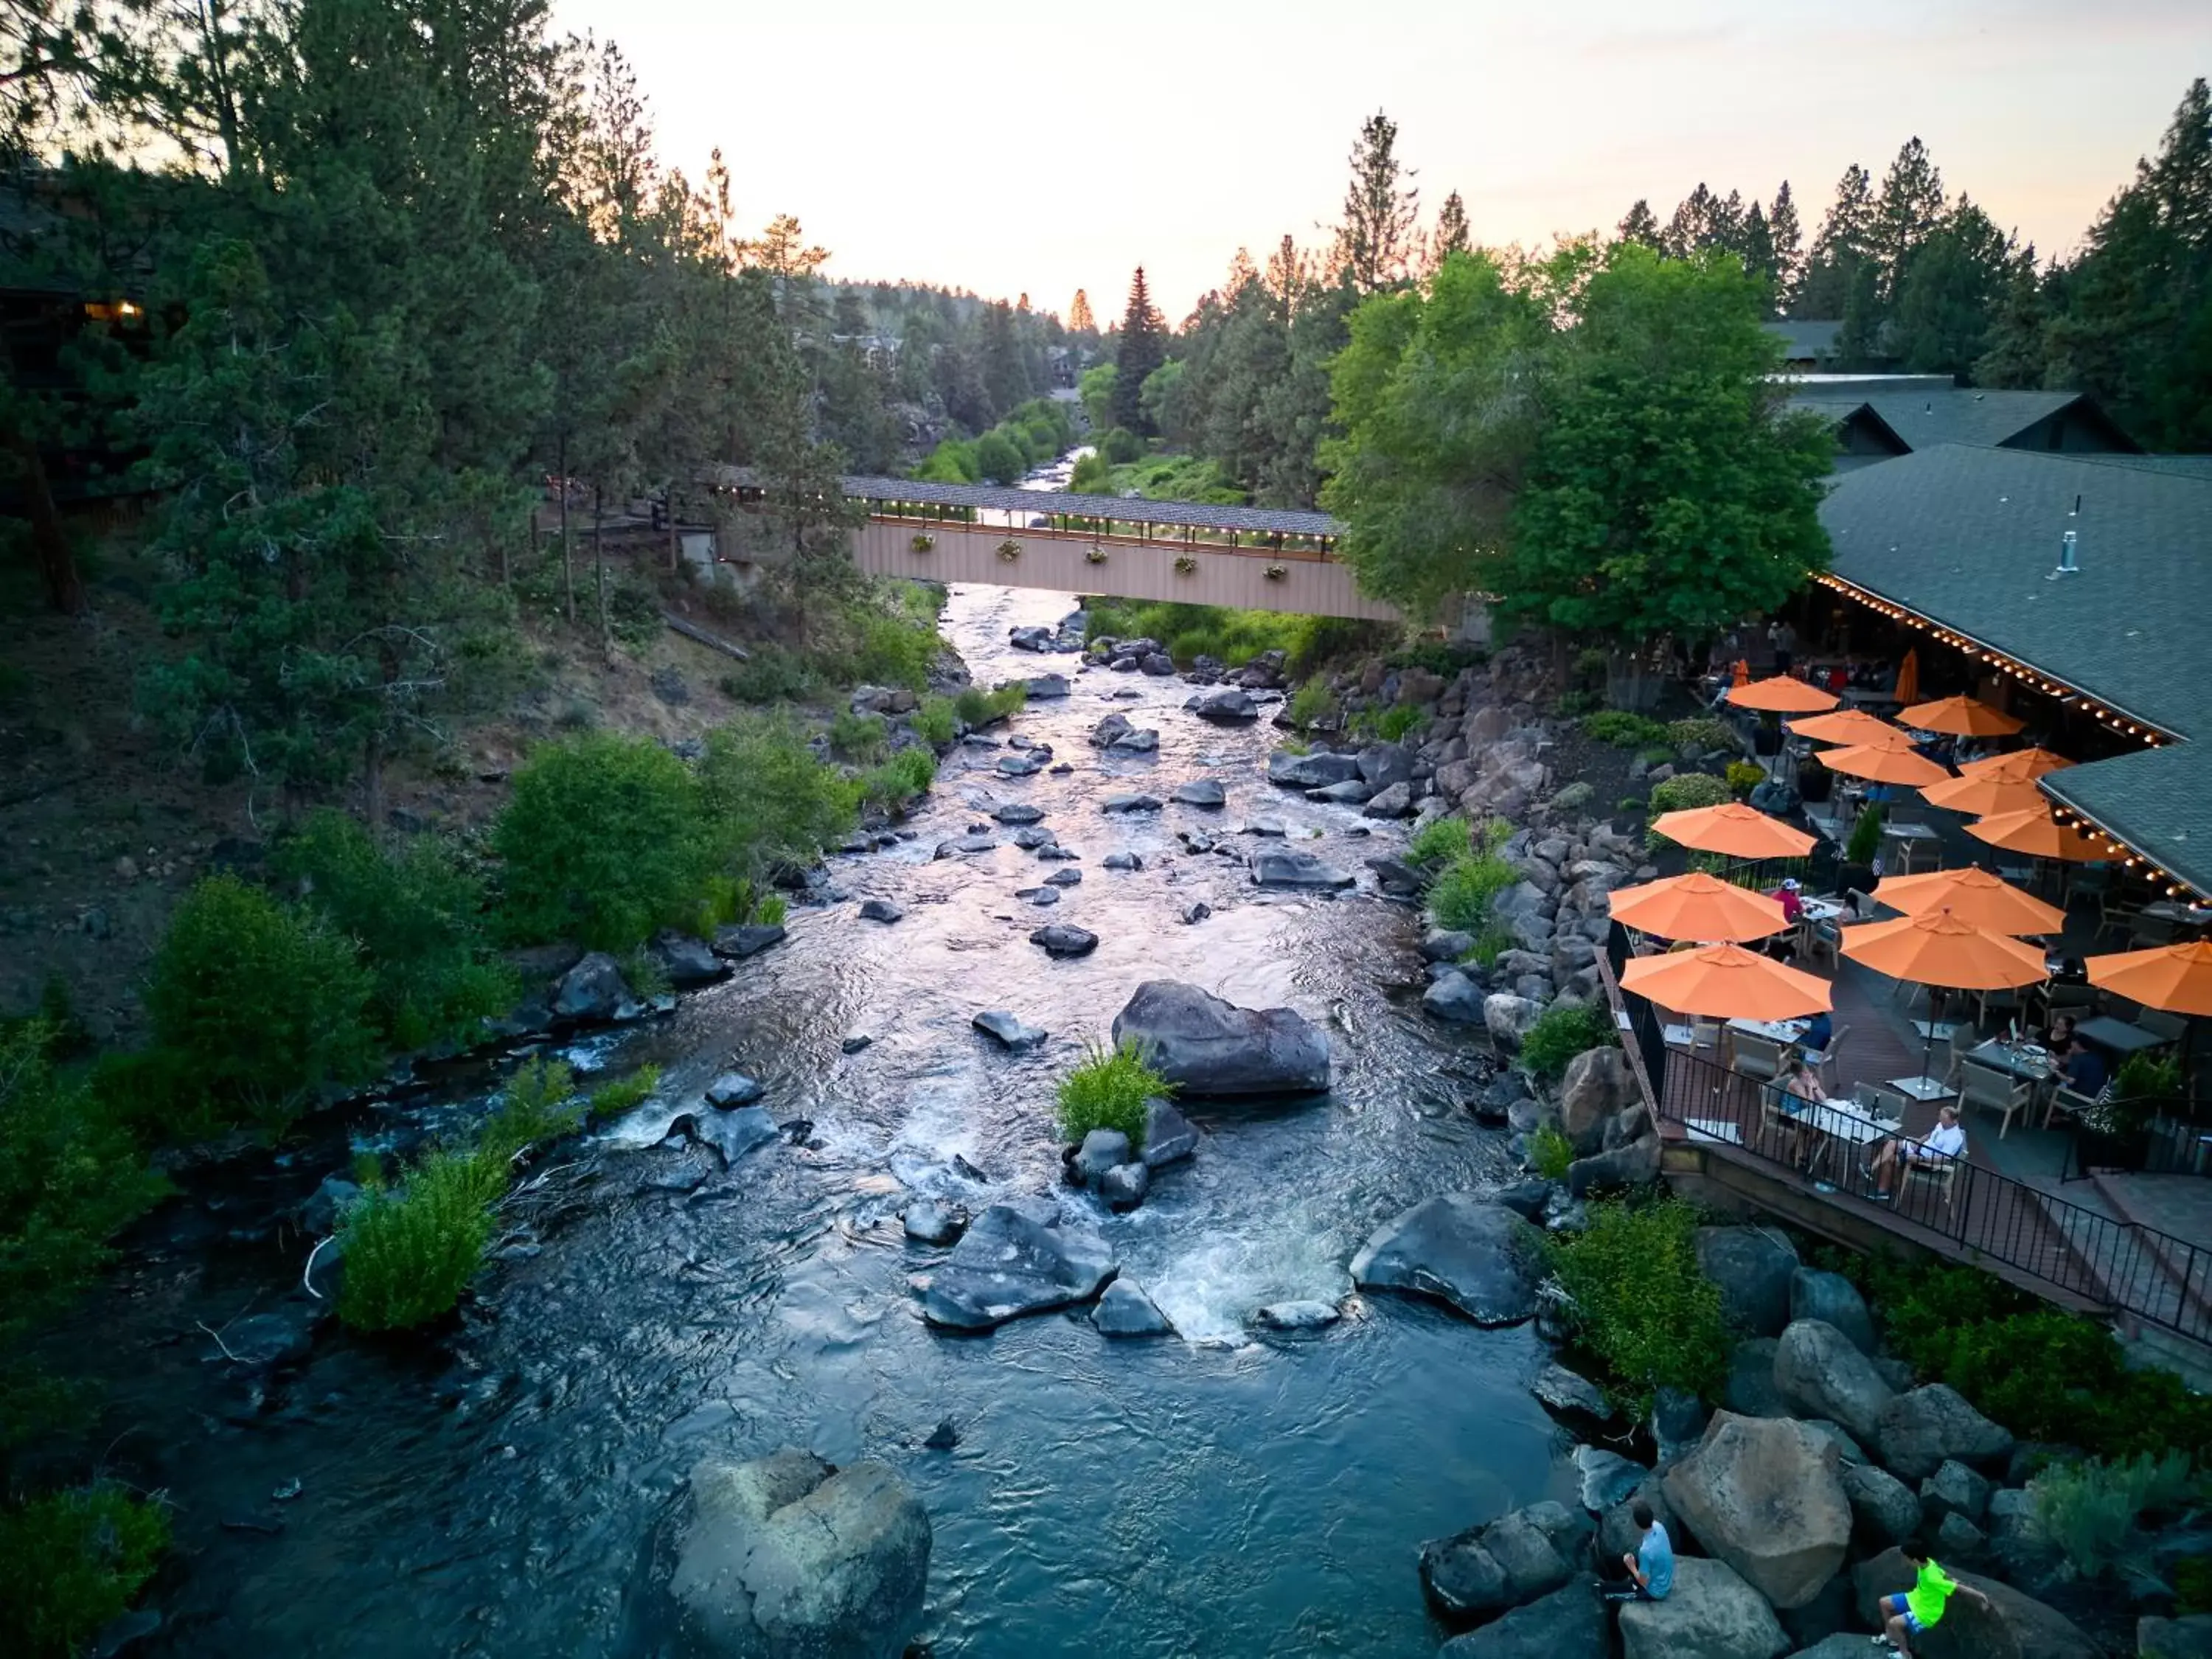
column 1917, row 1610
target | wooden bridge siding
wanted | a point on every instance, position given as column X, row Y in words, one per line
column 1132, row 569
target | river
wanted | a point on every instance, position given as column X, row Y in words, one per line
column 1216, row 1495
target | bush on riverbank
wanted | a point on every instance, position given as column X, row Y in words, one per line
column 979, row 707
column 903, row 777
column 1109, row 1091
column 71, row 1561
column 2044, row 1374
column 2093, row 1511
column 1474, row 873
column 1638, row 1301
column 767, row 801
column 1440, row 841
column 1033, row 434
column 1562, row 1031
column 1190, row 631
column 255, row 1007
column 418, row 916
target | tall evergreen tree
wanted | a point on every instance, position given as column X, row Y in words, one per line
column 1079, row 319
column 1375, row 239
column 1908, row 211
column 1953, row 282
column 1787, row 237
column 1451, row 234
column 1842, row 244
column 1639, row 225
column 1143, row 348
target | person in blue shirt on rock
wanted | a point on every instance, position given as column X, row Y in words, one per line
column 1651, row 1565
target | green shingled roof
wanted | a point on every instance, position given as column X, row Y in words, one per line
column 1946, row 415
column 1968, row 536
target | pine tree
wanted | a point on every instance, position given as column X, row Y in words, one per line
column 1143, row 349
column 1375, row 242
column 1451, row 236
column 1079, row 319
column 1783, row 231
column 1697, row 224
column 1755, row 246
column 1907, row 213
column 1641, row 226
column 1842, row 245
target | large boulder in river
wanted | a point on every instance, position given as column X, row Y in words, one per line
column 1310, row 771
column 1754, row 1267
column 1597, row 1088
column 1819, row 1373
column 1278, row 866
column 2013, row 1625
column 1207, row 1046
column 1514, row 1558
column 1016, row 1260
column 594, row 989
column 1712, row 1614
column 1921, row 1427
column 1834, row 1300
column 787, row 1557
column 1477, row 1255
column 1060, row 939
column 1453, row 997
column 1762, row 1493
column 686, row 959
column 1229, row 706
column 1568, row 1624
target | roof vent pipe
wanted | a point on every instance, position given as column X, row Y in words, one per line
column 2067, row 566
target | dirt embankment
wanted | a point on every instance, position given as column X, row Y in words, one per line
column 105, row 825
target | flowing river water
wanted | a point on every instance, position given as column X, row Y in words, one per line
column 1220, row 1494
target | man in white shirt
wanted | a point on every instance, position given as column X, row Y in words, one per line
column 1946, row 1140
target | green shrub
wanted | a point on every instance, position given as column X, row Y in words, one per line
column 1091, row 475
column 1109, row 1091
column 1562, row 1031
column 1491, row 943
column 935, row 721
column 2092, row 1511
column 774, row 674
column 416, row 915
column 258, row 1005
column 71, row 1561
column 602, row 843
column 1190, row 631
column 904, row 775
column 624, row 1095
column 1459, row 898
column 770, row 910
column 1311, row 701
column 1440, row 841
column 1393, row 725
column 1550, row 1152
column 1866, row 836
column 1744, row 776
column 2192, row 1586
column 1120, row 447
column 890, row 649
column 1702, row 732
column 1638, row 1302
column 1690, row 789
column 767, row 801
column 538, row 1104
column 858, row 737
column 979, row 707
column 1629, row 730
column 411, row 1250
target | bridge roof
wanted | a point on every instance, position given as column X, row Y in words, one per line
column 1200, row 515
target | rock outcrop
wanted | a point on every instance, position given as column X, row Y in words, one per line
column 1474, row 1254
column 1762, row 1494
column 1712, row 1614
column 1016, row 1260
column 1819, row 1373
column 1207, row 1046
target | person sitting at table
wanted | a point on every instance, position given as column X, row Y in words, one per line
column 1946, row 1140
column 1791, row 900
column 2085, row 1069
column 2058, row 1036
column 1819, row 1032
column 1797, row 1088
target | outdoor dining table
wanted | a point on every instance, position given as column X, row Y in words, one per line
column 2119, row 1036
column 1909, row 838
column 1923, row 1088
column 2029, row 1062
column 1838, row 1128
column 1784, row 1031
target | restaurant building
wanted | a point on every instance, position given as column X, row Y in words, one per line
column 2070, row 589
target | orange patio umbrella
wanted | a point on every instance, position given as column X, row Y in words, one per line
column 1884, row 765
column 1960, row 716
column 2019, row 766
column 1781, row 695
column 1853, row 727
column 1696, row 906
column 1907, row 688
column 1726, row 981
column 2036, row 833
column 2175, row 977
column 1938, row 947
column 1974, row 895
column 1980, row 797
column 1733, row 828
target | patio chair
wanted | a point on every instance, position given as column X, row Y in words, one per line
column 1757, row 1057
column 1781, row 1134
column 1985, row 1085
column 1940, row 1172
column 2149, row 933
column 1863, row 905
column 1816, row 939
column 2171, row 1027
column 1883, row 1105
column 2089, row 881
column 1706, row 1035
column 1823, row 1060
column 1962, row 1038
column 2002, row 1004
column 2072, row 1101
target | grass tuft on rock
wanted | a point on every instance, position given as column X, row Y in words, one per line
column 1109, row 1091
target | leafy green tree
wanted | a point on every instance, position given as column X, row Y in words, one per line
column 602, row 843
column 1142, row 348
column 999, row 461
column 1375, row 238
column 767, row 802
column 1438, row 400
column 1165, row 400
column 1668, row 491
column 1095, row 390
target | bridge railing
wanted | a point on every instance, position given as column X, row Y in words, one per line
column 1133, row 532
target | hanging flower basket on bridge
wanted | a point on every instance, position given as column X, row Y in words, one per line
column 1094, row 556
column 1186, row 565
column 1010, row 550
column 1275, row 573
column 922, row 542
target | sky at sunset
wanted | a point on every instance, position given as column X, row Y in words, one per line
column 1038, row 149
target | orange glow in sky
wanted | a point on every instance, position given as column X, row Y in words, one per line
column 1039, row 149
